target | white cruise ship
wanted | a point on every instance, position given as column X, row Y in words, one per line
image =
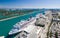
column 18, row 26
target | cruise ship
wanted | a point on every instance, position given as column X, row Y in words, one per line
column 20, row 25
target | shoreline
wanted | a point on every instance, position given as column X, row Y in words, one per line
column 14, row 17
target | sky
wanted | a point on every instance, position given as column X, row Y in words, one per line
column 29, row 3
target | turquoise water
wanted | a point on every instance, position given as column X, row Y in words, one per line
column 6, row 26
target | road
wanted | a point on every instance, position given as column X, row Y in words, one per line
column 54, row 31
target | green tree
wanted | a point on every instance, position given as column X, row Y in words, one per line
column 56, row 35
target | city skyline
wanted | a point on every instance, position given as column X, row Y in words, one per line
column 29, row 3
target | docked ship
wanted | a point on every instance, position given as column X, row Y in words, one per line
column 20, row 25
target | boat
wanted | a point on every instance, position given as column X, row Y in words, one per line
column 18, row 26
